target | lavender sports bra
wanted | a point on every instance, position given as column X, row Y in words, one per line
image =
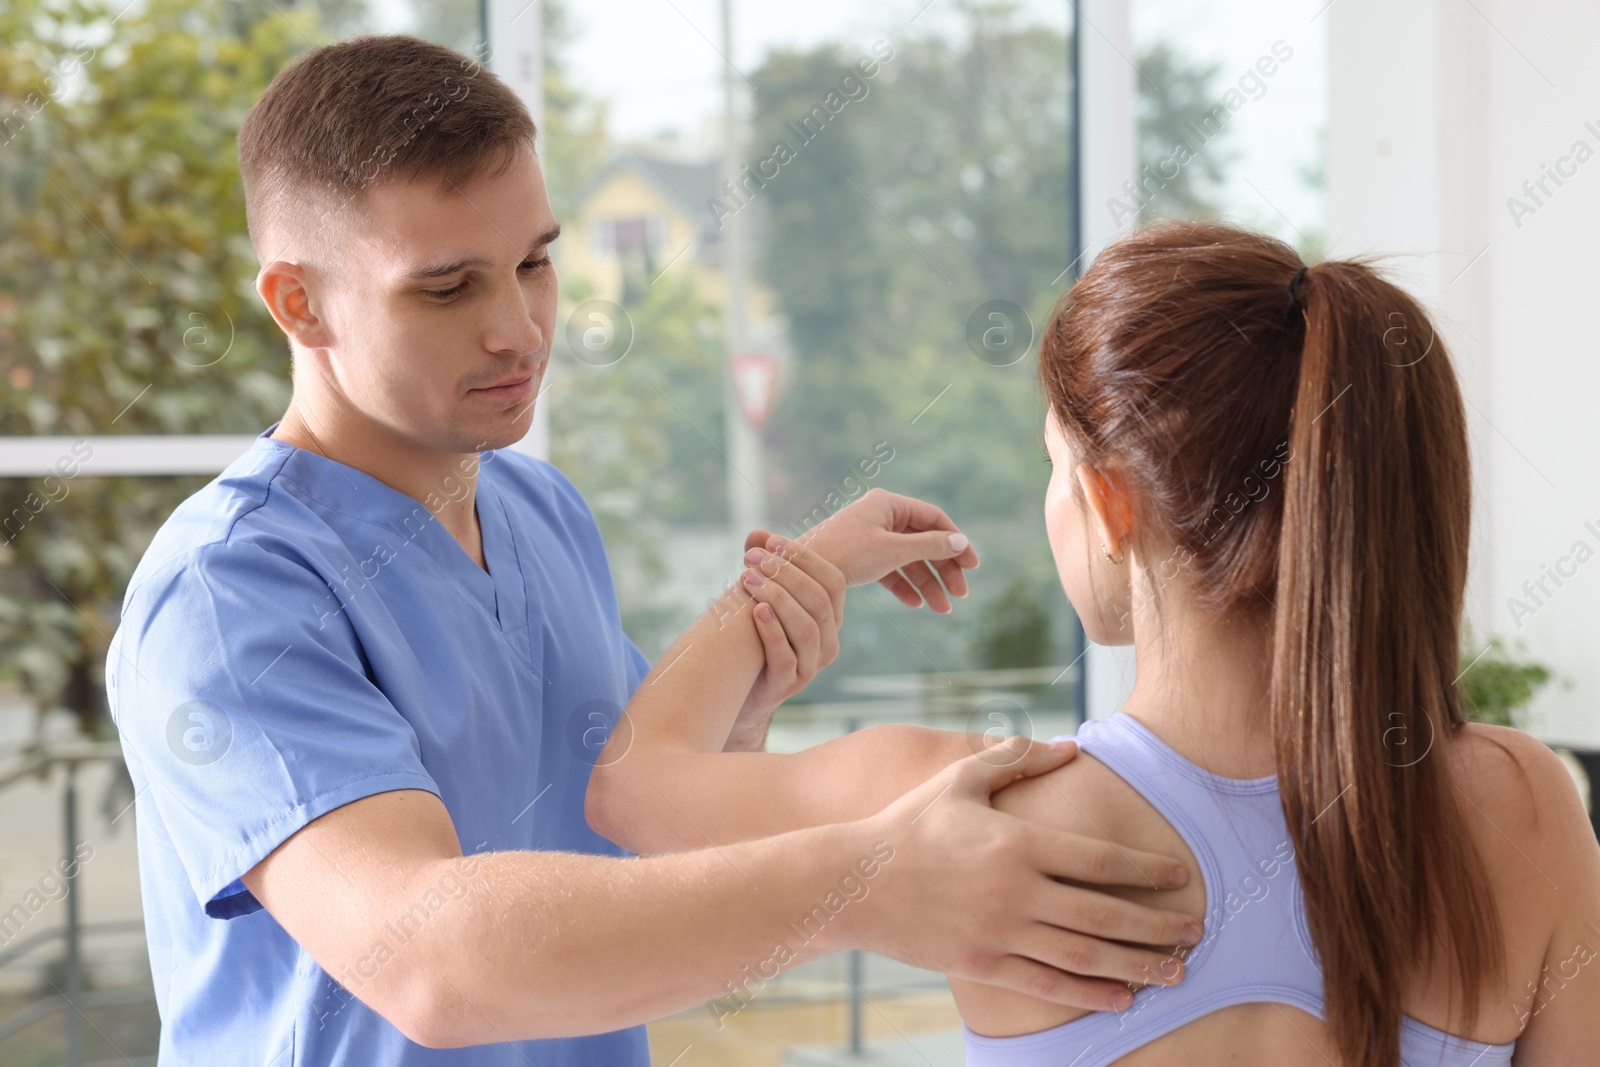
column 1256, row 946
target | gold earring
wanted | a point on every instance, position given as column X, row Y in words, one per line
column 1107, row 554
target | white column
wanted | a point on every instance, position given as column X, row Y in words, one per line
column 746, row 478
column 1110, row 136
column 1110, row 145
column 516, row 56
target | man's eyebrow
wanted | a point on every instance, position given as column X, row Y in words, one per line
column 442, row 270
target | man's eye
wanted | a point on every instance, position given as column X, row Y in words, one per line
column 444, row 294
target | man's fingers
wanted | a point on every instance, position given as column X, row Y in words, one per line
column 1096, row 914
column 921, row 576
column 781, row 661
column 997, row 766
column 756, row 538
column 809, row 593
column 1094, row 859
column 828, row 576
column 1047, row 983
column 804, row 636
column 1088, row 957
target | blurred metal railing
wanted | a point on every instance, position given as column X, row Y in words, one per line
column 71, row 1001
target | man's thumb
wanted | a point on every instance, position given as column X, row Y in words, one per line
column 997, row 765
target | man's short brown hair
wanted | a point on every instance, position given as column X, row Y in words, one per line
column 374, row 108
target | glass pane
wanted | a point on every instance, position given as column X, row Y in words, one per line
column 1234, row 115
column 127, row 306
column 901, row 192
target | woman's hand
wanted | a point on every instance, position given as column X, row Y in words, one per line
column 905, row 544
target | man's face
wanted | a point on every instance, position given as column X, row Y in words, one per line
column 441, row 324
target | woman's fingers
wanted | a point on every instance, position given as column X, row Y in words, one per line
column 927, row 583
column 909, row 514
column 903, row 590
column 953, row 574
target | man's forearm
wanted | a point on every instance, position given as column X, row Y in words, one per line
column 560, row 944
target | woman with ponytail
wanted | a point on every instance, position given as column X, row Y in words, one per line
column 1262, row 483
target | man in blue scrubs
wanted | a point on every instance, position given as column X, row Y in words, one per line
column 362, row 676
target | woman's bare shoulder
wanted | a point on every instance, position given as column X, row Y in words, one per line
column 1514, row 783
column 1527, row 815
column 1082, row 796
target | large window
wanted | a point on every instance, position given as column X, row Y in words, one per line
column 801, row 259
column 890, row 232
column 1233, row 114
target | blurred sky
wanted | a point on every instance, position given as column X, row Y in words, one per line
column 657, row 63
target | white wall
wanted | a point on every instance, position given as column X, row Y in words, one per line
column 1440, row 110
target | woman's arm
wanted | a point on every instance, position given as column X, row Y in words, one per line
column 669, row 778
column 663, row 782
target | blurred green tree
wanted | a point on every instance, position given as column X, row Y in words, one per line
column 941, row 189
column 128, row 302
column 1174, row 91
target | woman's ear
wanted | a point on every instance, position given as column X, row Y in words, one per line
column 1106, row 500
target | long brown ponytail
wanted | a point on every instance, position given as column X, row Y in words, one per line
column 1182, row 360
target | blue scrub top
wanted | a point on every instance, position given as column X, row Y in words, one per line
column 300, row 635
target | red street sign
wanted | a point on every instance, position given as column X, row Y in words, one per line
column 755, row 374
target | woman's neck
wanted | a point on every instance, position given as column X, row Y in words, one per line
column 1203, row 689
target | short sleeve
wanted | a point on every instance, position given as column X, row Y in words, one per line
column 239, row 687
column 638, row 665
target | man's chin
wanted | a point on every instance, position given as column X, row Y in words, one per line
column 502, row 432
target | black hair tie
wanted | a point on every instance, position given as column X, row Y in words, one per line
column 1294, row 288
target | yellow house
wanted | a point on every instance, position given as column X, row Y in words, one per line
column 642, row 217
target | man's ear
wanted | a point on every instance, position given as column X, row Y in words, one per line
column 284, row 288
column 1106, row 499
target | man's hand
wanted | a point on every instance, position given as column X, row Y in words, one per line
column 905, row 544
column 799, row 634
column 977, row 894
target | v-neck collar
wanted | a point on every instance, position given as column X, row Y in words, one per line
column 356, row 493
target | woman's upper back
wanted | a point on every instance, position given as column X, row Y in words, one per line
column 1253, row 991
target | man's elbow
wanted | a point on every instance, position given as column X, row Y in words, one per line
column 436, row 1013
column 447, row 1016
column 411, row 1005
